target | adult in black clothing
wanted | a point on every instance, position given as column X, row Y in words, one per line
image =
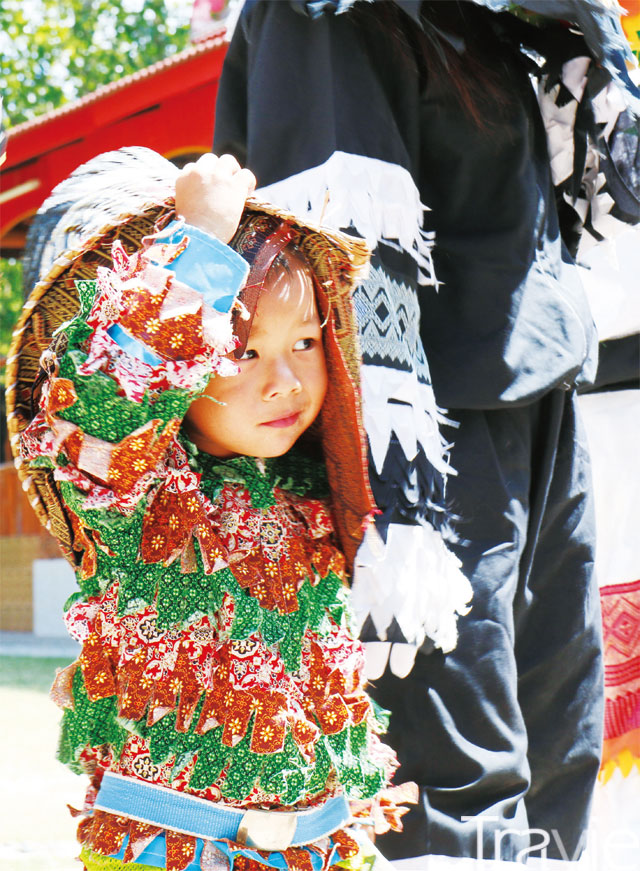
column 386, row 106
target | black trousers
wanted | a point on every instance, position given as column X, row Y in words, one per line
column 509, row 725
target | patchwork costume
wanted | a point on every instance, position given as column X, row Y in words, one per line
column 475, row 223
column 218, row 704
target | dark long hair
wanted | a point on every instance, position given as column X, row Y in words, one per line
column 460, row 49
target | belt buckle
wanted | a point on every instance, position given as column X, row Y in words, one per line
column 267, row 830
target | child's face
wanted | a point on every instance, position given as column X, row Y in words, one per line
column 282, row 381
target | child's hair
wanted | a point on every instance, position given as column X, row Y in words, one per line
column 263, row 241
column 433, row 51
column 290, row 254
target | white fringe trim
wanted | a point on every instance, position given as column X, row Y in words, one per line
column 378, row 199
column 559, row 123
column 414, row 421
column 414, row 578
column 378, row 653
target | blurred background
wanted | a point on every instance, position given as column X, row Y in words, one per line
column 79, row 77
column 76, row 78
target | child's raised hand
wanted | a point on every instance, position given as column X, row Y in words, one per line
column 211, row 193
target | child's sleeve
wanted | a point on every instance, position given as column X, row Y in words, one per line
column 149, row 334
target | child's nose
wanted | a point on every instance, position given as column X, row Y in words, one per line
column 281, row 380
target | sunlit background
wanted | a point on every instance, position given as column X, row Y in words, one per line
column 78, row 77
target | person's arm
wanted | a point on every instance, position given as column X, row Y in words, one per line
column 149, row 334
column 323, row 110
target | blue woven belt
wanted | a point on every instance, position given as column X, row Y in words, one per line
column 268, row 830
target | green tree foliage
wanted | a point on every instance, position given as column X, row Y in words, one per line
column 10, row 299
column 10, row 305
column 54, row 51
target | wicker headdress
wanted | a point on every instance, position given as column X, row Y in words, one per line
column 126, row 195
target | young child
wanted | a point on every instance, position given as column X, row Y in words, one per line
column 218, row 704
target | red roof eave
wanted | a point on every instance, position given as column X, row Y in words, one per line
column 117, row 99
column 168, row 107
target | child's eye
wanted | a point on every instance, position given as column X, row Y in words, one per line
column 249, row 354
column 304, row 344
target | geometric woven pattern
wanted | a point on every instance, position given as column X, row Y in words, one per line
column 621, row 642
column 389, row 318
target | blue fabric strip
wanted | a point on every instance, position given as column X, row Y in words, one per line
column 168, row 808
column 315, row 824
column 207, row 265
column 155, row 855
column 132, row 346
column 165, row 807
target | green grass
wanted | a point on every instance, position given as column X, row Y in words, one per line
column 29, row 673
column 36, row 831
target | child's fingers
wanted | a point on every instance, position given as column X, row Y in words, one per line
column 228, row 168
column 248, row 178
column 211, row 193
column 227, row 164
column 204, row 166
column 210, row 168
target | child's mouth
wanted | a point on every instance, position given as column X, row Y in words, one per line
column 289, row 420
